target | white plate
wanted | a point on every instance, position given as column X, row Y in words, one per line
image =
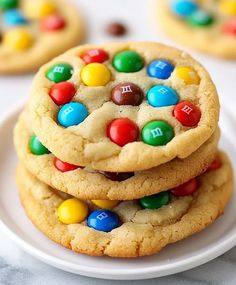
column 196, row 250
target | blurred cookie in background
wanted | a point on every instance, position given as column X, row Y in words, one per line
column 208, row 26
column 33, row 32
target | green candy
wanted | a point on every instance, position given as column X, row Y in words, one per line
column 157, row 133
column 59, row 72
column 155, row 201
column 128, row 61
column 8, row 4
column 200, row 18
column 37, row 147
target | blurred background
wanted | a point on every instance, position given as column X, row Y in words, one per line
column 139, row 19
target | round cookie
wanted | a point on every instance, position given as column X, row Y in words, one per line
column 208, row 26
column 86, row 183
column 81, row 116
column 133, row 231
column 33, row 32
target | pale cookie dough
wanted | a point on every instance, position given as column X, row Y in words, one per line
column 211, row 39
column 143, row 232
column 87, row 143
column 89, row 184
column 25, row 47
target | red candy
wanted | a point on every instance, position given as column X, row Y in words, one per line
column 122, row 131
column 187, row 114
column 230, row 27
column 215, row 164
column 64, row 166
column 52, row 23
column 185, row 189
column 62, row 93
column 94, row 55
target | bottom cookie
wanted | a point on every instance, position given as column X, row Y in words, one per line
column 142, row 229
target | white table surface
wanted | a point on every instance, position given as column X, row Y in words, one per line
column 17, row 267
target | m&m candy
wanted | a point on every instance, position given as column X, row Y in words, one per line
column 18, row 38
column 160, row 69
column 52, row 23
column 95, row 74
column 72, row 211
column 105, row 204
column 117, row 176
column 216, row 164
column 72, row 114
column 128, row 61
column 200, row 18
column 127, row 94
column 122, row 131
column 187, row 74
column 228, row 7
column 59, row 72
column 8, row 4
column 37, row 147
column 62, row 93
column 161, row 96
column 229, row 27
column 64, row 166
column 14, row 17
column 94, row 55
column 157, row 133
column 187, row 114
column 186, row 189
column 183, row 8
column 39, row 9
column 155, row 201
column 103, row 220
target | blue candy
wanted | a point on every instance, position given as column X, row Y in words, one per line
column 14, row 17
column 160, row 69
column 161, row 96
column 103, row 220
column 184, row 8
column 72, row 114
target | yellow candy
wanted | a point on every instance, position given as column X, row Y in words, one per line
column 228, row 7
column 188, row 75
column 18, row 39
column 72, row 211
column 95, row 74
column 37, row 9
column 105, row 204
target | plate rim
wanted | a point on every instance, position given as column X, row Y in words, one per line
column 226, row 244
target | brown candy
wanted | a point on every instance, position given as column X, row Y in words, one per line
column 127, row 94
column 117, row 176
column 116, row 29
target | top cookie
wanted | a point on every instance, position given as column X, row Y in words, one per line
column 33, row 32
column 123, row 107
column 209, row 26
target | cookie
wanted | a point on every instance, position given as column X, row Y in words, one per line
column 33, row 32
column 86, row 183
column 208, row 26
column 123, row 107
column 132, row 228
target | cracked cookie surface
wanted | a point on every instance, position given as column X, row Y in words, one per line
column 143, row 231
column 86, row 183
column 100, row 129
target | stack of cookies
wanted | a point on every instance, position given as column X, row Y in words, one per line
column 118, row 149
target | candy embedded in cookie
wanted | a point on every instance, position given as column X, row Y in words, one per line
column 120, row 100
